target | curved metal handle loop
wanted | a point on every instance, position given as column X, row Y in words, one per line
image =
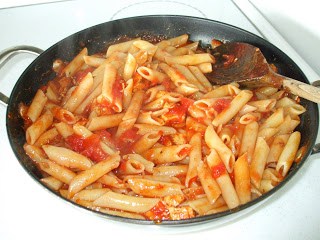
column 8, row 53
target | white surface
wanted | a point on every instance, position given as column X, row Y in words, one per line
column 19, row 3
column 27, row 211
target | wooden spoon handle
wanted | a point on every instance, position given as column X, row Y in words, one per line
column 302, row 89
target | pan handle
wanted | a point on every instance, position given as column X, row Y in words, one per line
column 316, row 147
column 8, row 53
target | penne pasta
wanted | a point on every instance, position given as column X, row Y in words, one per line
column 250, row 134
column 288, row 153
column 214, row 142
column 219, row 173
column 47, row 137
column 138, row 131
column 193, row 59
column 201, row 77
column 66, row 157
column 242, row 179
column 179, row 80
column 259, row 161
column 104, row 122
column 146, row 142
column 75, row 64
column 79, row 93
column 131, row 114
column 120, row 47
column 210, row 186
column 52, row 183
column 195, row 158
column 126, row 203
column 168, row 154
column 129, row 67
column 151, row 188
column 39, row 127
column 89, row 194
column 236, row 104
column 147, row 128
column 152, row 75
column 85, row 178
column 171, row 171
column 37, row 105
column 57, row 171
column 190, row 77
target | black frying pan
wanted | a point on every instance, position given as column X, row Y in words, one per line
column 97, row 38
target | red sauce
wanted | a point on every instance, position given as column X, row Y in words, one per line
column 192, row 180
column 75, row 142
column 265, row 115
column 193, row 193
column 167, row 84
column 184, row 152
column 81, row 74
column 218, row 170
column 127, row 140
column 231, row 175
column 89, row 147
column 165, row 140
column 122, row 166
column 235, row 127
column 139, row 83
column 158, row 212
column 177, row 114
column 221, row 104
column 105, row 107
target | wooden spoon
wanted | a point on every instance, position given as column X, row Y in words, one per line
column 245, row 64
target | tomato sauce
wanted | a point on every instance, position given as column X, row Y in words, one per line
column 184, row 152
column 81, row 74
column 193, row 193
column 122, row 166
column 89, row 147
column 158, row 212
column 192, row 180
column 235, row 127
column 165, row 140
column 127, row 140
column 167, row 83
column 218, row 170
column 221, row 104
column 140, row 83
column 104, row 107
column 177, row 114
column 231, row 175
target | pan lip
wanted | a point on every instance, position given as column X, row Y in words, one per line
column 196, row 220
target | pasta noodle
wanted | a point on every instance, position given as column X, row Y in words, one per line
column 138, row 131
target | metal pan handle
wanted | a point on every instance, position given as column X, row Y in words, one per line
column 316, row 147
column 8, row 53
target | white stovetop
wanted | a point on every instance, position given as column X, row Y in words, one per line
column 27, row 211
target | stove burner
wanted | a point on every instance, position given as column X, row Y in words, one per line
column 158, row 7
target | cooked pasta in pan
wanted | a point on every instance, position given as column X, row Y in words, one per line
column 139, row 132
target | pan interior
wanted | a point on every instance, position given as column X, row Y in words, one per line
column 98, row 37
